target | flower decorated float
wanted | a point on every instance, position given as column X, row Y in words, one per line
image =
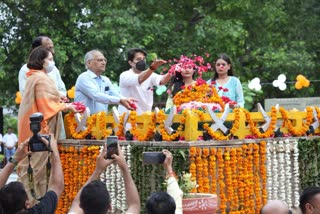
column 256, row 159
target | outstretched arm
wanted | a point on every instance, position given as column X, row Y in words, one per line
column 101, row 165
column 173, row 188
column 165, row 78
column 20, row 154
column 144, row 75
column 56, row 181
column 132, row 195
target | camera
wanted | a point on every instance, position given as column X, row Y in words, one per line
column 153, row 157
column 112, row 147
column 35, row 142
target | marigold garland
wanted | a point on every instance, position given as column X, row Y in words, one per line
column 263, row 171
column 201, row 93
column 161, row 117
column 256, row 174
column 120, row 130
column 151, row 127
column 241, row 176
column 235, row 127
column 269, row 132
column 212, row 170
column 221, row 183
column 297, row 131
column 77, row 164
column 100, row 131
column 206, row 182
column 234, row 201
column 250, row 184
column 199, row 165
column 72, row 125
column 96, row 125
column 193, row 166
column 228, row 175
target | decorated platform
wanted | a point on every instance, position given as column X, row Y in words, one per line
column 191, row 125
column 243, row 173
column 247, row 158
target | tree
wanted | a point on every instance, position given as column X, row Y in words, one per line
column 264, row 38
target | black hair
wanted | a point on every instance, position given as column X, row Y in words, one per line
column 307, row 196
column 95, row 198
column 37, row 56
column 37, row 42
column 228, row 60
column 132, row 52
column 13, row 197
column 176, row 83
column 160, row 203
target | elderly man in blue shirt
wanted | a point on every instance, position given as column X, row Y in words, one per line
column 95, row 90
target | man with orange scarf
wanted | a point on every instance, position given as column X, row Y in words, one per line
column 40, row 95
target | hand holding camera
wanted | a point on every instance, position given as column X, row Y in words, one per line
column 114, row 152
column 112, row 147
column 21, row 152
column 111, row 153
column 36, row 144
column 153, row 157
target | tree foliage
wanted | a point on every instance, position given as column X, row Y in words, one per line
column 263, row 38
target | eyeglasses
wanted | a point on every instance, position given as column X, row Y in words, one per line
column 100, row 60
column 223, row 64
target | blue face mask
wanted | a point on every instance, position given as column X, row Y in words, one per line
column 50, row 66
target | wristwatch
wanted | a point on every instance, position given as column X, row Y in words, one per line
column 13, row 161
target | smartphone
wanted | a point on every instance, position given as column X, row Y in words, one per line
column 112, row 146
column 153, row 157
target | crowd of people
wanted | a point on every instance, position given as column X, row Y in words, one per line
column 43, row 90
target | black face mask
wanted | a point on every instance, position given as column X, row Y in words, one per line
column 141, row 65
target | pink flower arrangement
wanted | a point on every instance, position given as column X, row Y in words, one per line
column 197, row 62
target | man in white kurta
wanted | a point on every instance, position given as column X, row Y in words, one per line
column 139, row 81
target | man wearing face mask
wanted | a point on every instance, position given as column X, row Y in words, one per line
column 52, row 70
column 138, row 82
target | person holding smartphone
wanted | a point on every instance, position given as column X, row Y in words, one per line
column 172, row 198
column 94, row 197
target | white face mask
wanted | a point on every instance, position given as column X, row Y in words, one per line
column 50, row 66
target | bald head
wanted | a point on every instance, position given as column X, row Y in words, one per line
column 43, row 41
column 275, row 207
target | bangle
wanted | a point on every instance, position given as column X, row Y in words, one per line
column 152, row 67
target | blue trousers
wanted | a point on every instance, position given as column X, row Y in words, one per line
column 9, row 153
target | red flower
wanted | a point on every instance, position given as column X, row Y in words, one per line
column 225, row 90
column 133, row 105
column 220, row 88
column 200, row 81
column 213, row 82
column 79, row 106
